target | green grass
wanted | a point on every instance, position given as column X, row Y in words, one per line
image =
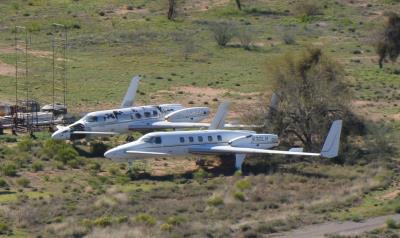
column 371, row 206
column 13, row 196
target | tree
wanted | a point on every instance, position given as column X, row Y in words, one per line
column 171, row 9
column 388, row 42
column 311, row 94
column 238, row 4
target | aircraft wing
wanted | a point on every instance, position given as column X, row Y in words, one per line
column 226, row 149
column 179, row 125
column 134, row 152
column 169, row 125
column 94, row 133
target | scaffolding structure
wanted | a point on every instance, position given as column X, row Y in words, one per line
column 22, row 83
column 59, row 66
column 26, row 114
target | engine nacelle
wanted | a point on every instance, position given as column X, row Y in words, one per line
column 257, row 141
column 193, row 114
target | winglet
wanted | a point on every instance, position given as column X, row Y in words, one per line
column 332, row 141
column 131, row 93
column 219, row 119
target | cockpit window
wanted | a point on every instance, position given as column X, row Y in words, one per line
column 152, row 140
column 138, row 116
column 91, row 119
column 155, row 113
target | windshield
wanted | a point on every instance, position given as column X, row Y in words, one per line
column 152, row 140
column 91, row 119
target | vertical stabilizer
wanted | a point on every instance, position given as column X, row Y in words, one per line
column 332, row 141
column 219, row 119
column 131, row 93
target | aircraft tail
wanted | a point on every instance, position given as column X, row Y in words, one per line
column 332, row 141
column 219, row 119
column 131, row 93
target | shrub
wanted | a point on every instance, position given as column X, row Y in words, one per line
column 307, row 8
column 175, row 220
column 3, row 183
column 9, row 170
column 75, row 163
column 215, row 201
column 59, row 151
column 397, row 209
column 23, row 182
column 103, row 221
column 145, row 219
column 391, row 224
column 200, row 174
column 288, row 39
column 243, row 184
column 166, row 227
column 37, row 166
column 223, row 32
column 4, row 229
column 246, row 39
column 98, row 148
column 25, row 144
column 239, row 196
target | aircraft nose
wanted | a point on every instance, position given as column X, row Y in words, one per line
column 61, row 135
column 113, row 154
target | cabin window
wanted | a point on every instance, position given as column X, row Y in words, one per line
column 182, row 140
column 91, row 119
column 191, row 139
column 200, row 138
column 219, row 138
column 155, row 113
column 210, row 138
column 147, row 114
column 138, row 116
column 157, row 140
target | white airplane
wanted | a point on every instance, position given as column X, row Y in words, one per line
column 128, row 118
column 215, row 141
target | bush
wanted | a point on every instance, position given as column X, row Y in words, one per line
column 23, row 182
column 391, row 224
column 397, row 209
column 3, row 183
column 246, row 39
column 59, row 151
column 146, row 219
column 307, row 8
column 4, row 229
column 37, row 166
column 26, row 144
column 288, row 39
column 98, row 148
column 175, row 220
column 239, row 196
column 215, row 201
column 223, row 32
column 243, row 184
column 75, row 163
column 9, row 170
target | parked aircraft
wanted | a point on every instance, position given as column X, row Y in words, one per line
column 216, row 141
column 128, row 118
